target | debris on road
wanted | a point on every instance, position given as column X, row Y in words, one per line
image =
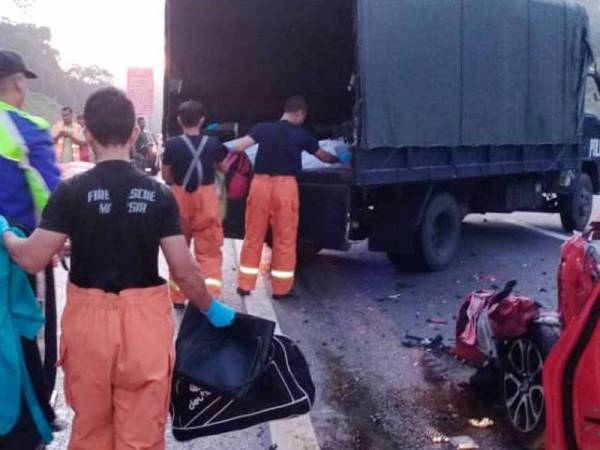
column 490, row 277
column 376, row 418
column 486, row 422
column 411, row 341
column 435, row 436
column 437, row 321
column 464, row 443
column 389, row 297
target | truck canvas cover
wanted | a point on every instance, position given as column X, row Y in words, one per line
column 431, row 73
column 471, row 72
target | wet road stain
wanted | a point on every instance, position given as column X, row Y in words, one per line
column 452, row 400
column 368, row 427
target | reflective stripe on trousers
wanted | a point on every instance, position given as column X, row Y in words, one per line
column 273, row 201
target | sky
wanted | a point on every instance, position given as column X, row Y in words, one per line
column 113, row 34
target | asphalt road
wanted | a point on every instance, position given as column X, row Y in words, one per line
column 355, row 309
column 351, row 315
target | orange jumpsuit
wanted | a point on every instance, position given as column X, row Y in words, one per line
column 273, row 200
column 201, row 221
column 117, row 354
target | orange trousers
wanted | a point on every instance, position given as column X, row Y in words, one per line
column 201, row 221
column 273, row 200
column 117, row 356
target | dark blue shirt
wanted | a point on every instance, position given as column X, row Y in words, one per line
column 178, row 157
column 280, row 147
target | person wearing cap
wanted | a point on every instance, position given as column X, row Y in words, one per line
column 27, row 156
column 29, row 175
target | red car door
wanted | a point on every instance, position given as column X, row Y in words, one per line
column 572, row 383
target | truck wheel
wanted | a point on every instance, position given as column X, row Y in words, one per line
column 523, row 390
column 439, row 233
column 402, row 260
column 576, row 208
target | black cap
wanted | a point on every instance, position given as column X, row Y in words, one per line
column 11, row 62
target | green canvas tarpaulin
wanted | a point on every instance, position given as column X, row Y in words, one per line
column 471, row 72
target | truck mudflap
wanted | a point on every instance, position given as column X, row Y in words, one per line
column 572, row 385
column 324, row 215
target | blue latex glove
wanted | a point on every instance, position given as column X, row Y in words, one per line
column 4, row 226
column 220, row 315
column 344, row 155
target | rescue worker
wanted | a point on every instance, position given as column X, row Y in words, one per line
column 117, row 327
column 189, row 167
column 29, row 175
column 273, row 198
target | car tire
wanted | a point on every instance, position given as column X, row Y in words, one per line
column 439, row 232
column 576, row 208
column 522, row 386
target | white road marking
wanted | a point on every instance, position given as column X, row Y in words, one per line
column 290, row 434
column 536, row 229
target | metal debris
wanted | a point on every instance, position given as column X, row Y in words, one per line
column 437, row 320
column 486, row 422
column 435, row 436
column 464, row 443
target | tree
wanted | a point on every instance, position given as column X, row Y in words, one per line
column 68, row 88
column 92, row 75
column 24, row 4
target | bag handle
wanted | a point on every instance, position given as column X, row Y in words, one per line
column 195, row 163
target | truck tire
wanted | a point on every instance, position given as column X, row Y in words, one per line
column 439, row 232
column 576, row 208
column 402, row 260
column 522, row 387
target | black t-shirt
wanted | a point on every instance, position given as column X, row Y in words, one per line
column 178, row 157
column 280, row 146
column 115, row 216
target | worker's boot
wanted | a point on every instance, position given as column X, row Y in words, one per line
column 243, row 293
column 290, row 294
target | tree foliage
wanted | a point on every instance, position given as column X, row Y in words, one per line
column 68, row 88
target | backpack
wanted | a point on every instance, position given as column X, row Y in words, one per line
column 238, row 175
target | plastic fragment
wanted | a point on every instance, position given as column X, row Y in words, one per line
column 486, row 422
column 464, row 443
column 435, row 436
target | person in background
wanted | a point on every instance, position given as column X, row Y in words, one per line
column 85, row 153
column 144, row 155
column 67, row 137
column 29, row 175
column 188, row 166
column 117, row 327
column 273, row 199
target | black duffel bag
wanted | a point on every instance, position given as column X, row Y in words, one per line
column 283, row 388
column 225, row 360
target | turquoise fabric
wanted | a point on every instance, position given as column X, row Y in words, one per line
column 20, row 317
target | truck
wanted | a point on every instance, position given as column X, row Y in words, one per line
column 452, row 107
